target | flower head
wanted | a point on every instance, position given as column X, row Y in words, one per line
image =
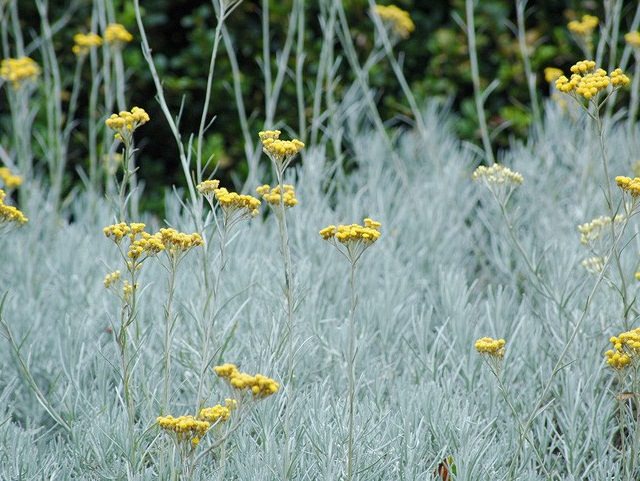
column 281, row 152
column 273, row 197
column 84, row 42
column 186, row 429
column 10, row 180
column 398, row 20
column 625, row 349
column 10, row 215
column 583, row 27
column 117, row 232
column 208, row 187
column 141, row 243
column 111, row 279
column 587, row 81
column 125, row 123
column 115, row 34
column 595, row 229
column 214, row 414
column 176, row 243
column 19, row 70
column 594, row 265
column 497, row 174
column 352, row 240
column 491, row 347
column 146, row 246
column 629, row 185
column 551, row 74
column 633, row 39
column 260, row 386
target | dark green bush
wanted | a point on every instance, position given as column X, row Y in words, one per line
column 435, row 61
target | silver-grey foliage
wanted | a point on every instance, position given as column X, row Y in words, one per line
column 443, row 274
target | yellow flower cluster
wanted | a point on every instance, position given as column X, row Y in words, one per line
column 491, row 347
column 594, row 265
column 9, row 180
column 233, row 202
column 19, row 70
column 218, row 412
column 633, row 39
column 177, row 242
column 629, row 185
column 587, row 81
column 127, row 290
column 186, row 428
column 111, row 279
column 626, row 349
column 497, row 174
column 551, row 74
column 190, row 428
column 208, row 187
column 281, row 152
column 85, row 42
column 115, row 33
column 399, row 20
column 117, row 232
column 583, row 27
column 9, row 213
column 259, row 385
column 618, row 78
column 354, row 233
column 272, row 196
column 148, row 245
column 591, row 231
column 126, row 122
column 145, row 245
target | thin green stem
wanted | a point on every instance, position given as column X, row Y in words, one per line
column 168, row 328
column 289, row 286
column 475, row 76
column 524, row 435
column 531, row 80
column 223, row 235
column 609, row 200
column 351, row 371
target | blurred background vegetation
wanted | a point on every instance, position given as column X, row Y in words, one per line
column 434, row 58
